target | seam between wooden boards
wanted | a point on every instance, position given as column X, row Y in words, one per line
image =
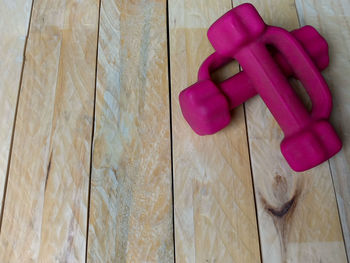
column 92, row 132
column 171, row 126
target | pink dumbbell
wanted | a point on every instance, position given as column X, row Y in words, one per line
column 239, row 88
column 242, row 34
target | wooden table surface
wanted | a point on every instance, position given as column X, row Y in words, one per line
column 97, row 163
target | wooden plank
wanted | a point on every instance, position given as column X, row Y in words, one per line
column 308, row 228
column 215, row 218
column 332, row 19
column 45, row 213
column 131, row 193
column 15, row 16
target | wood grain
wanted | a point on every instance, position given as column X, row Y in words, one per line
column 297, row 212
column 131, row 193
column 214, row 208
column 45, row 213
column 332, row 19
column 15, row 15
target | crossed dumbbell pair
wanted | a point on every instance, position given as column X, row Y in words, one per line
column 241, row 34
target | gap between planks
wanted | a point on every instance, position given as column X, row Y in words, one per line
column 92, row 133
column 170, row 125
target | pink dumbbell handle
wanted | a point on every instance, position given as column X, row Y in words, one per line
column 273, row 86
column 305, row 70
column 239, row 88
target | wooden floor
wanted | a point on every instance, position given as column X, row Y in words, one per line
column 97, row 163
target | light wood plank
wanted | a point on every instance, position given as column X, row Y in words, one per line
column 308, row 230
column 332, row 19
column 214, row 204
column 131, row 193
column 45, row 214
column 15, row 15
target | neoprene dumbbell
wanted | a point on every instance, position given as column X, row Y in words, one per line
column 238, row 89
column 241, row 34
